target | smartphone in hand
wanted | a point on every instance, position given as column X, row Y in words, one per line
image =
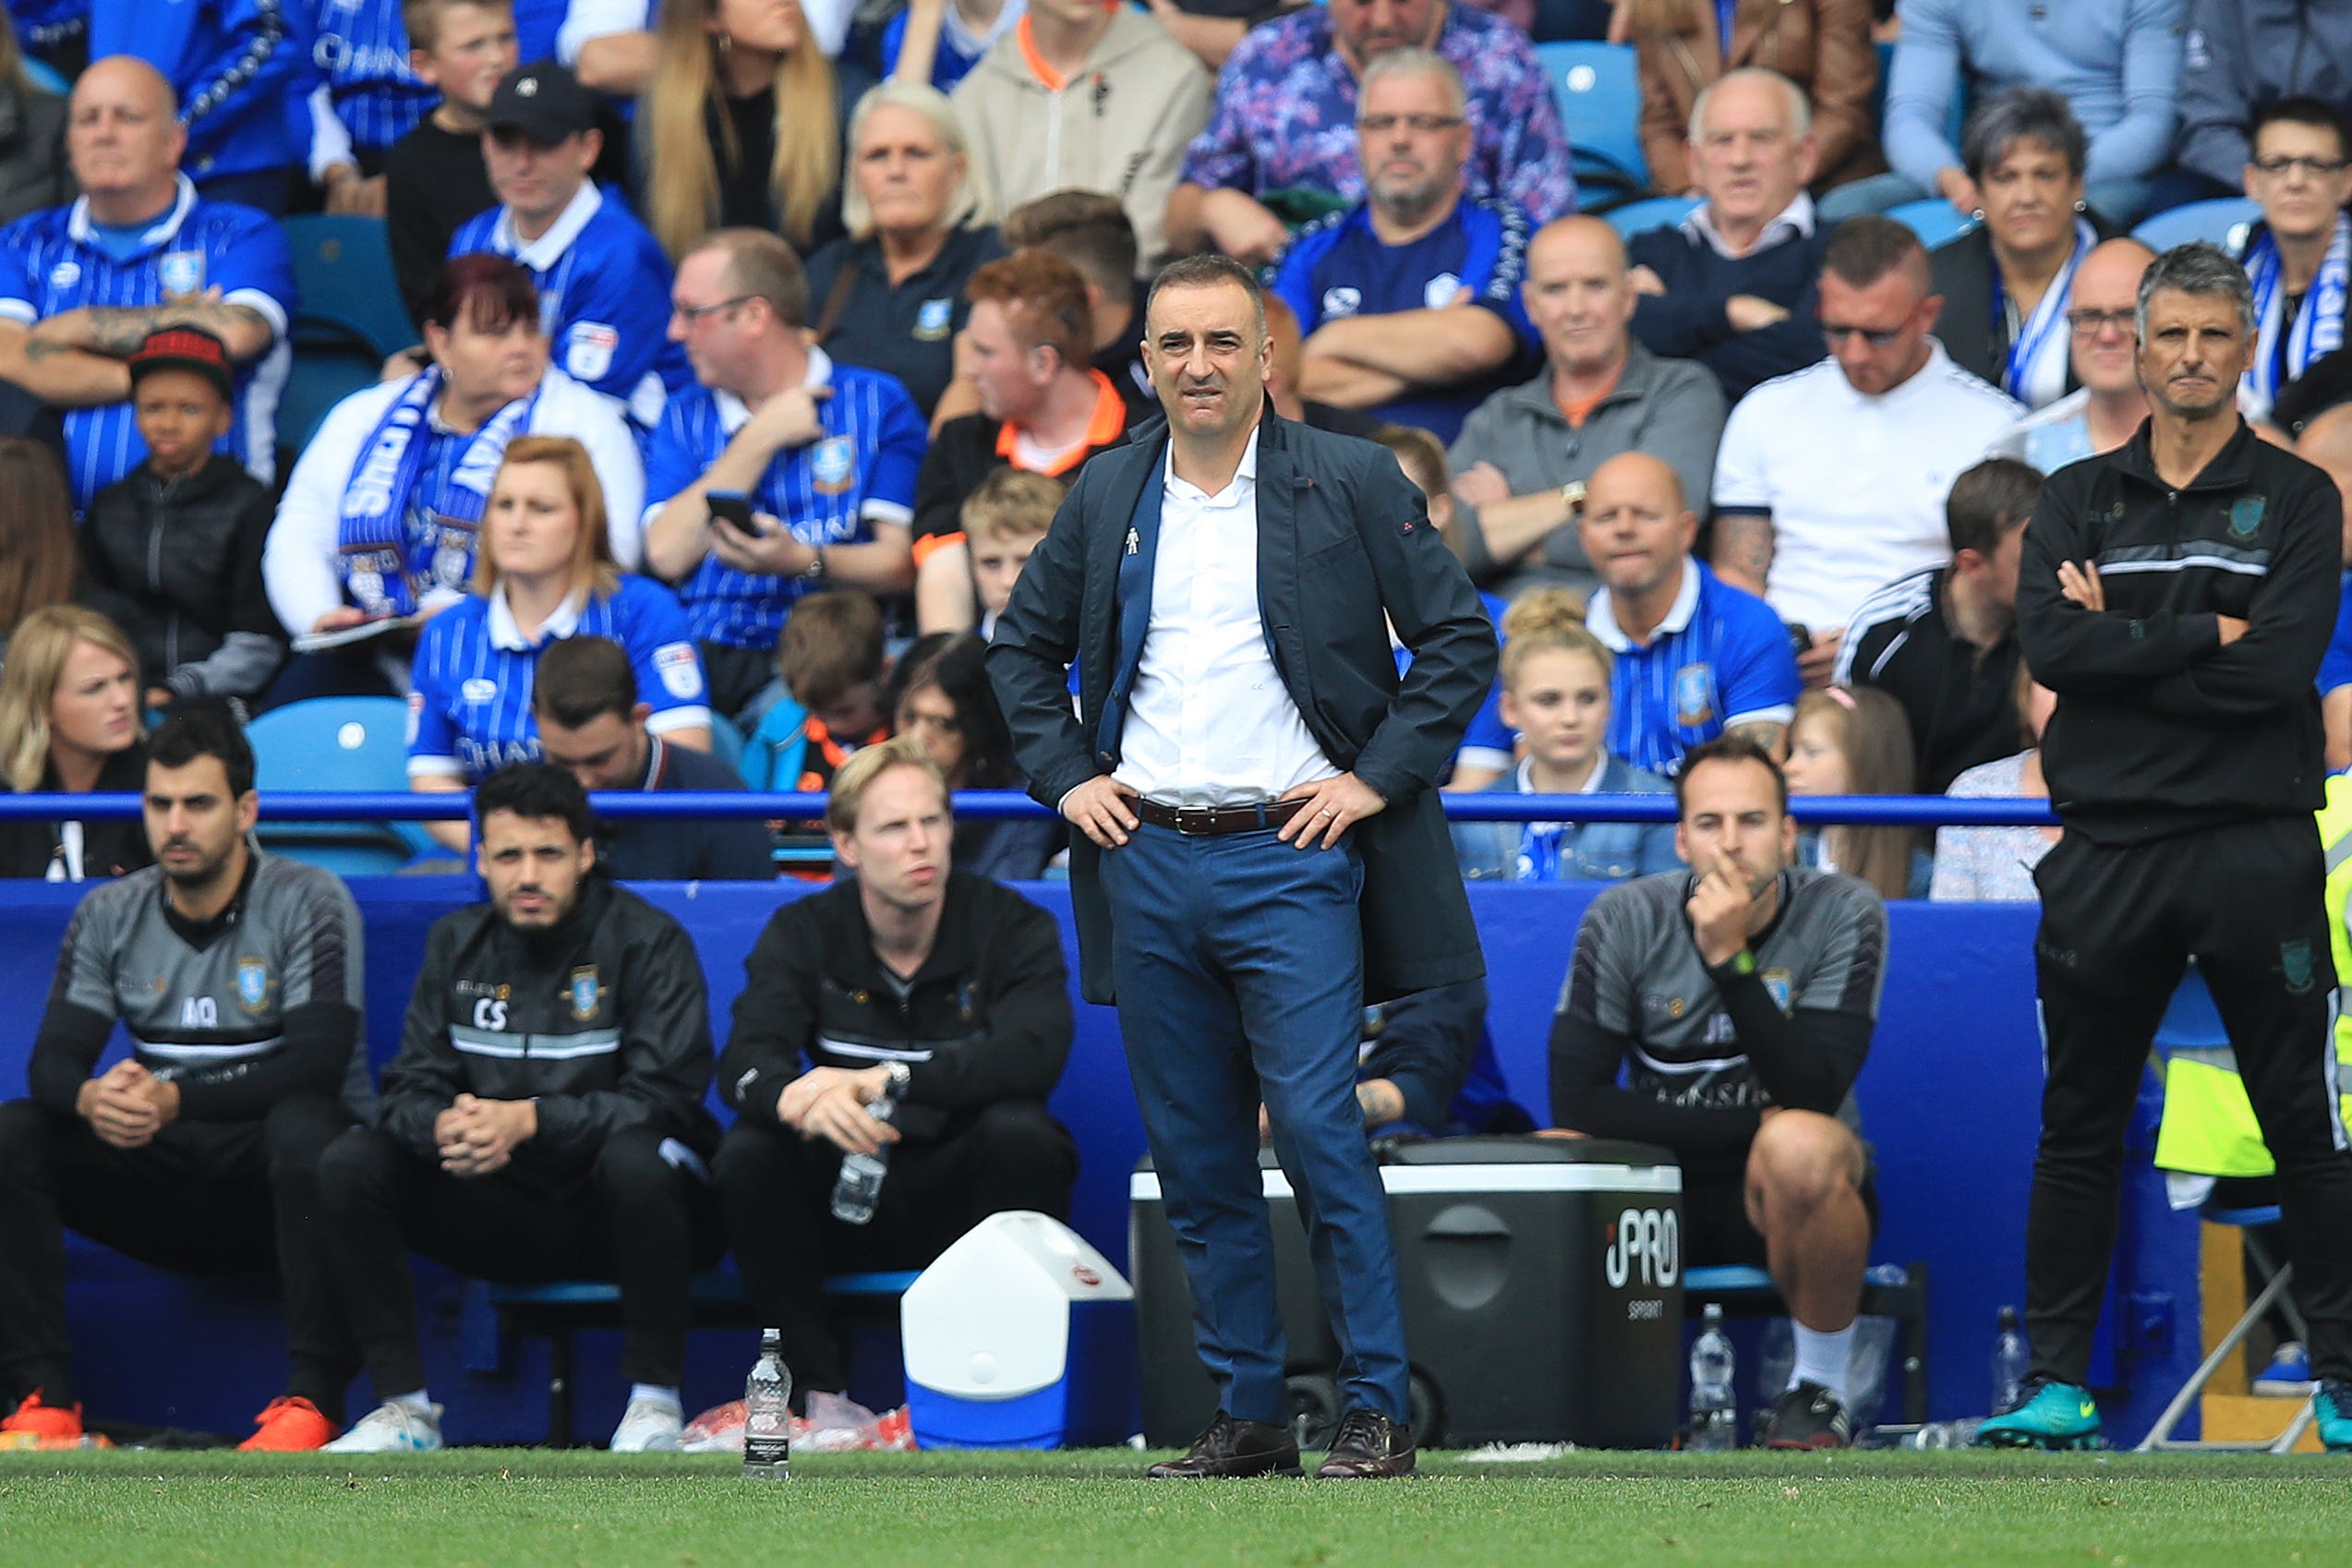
column 730, row 509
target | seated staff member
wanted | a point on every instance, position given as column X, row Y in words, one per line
column 381, row 515
column 907, row 978
column 1771, row 975
column 824, row 456
column 543, row 1120
column 543, row 574
column 69, row 724
column 237, row 975
column 592, row 724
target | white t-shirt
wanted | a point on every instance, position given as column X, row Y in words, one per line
column 1855, row 485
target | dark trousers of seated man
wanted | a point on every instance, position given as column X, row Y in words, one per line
column 777, row 1188
column 631, row 1216
column 200, row 1197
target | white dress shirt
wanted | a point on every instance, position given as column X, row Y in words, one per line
column 1210, row 722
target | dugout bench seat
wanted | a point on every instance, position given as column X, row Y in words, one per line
column 1888, row 1290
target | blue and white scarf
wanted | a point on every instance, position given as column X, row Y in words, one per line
column 2318, row 327
column 2038, row 360
column 398, row 544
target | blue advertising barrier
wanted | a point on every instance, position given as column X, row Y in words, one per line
column 1950, row 1100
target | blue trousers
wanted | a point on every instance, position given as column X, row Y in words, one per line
column 1239, row 964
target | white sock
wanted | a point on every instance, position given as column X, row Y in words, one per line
column 1822, row 1357
column 656, row 1393
column 418, row 1402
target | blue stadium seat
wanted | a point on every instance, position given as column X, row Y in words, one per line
column 1935, row 221
column 1601, row 101
column 343, row 269
column 338, row 744
column 322, row 375
column 727, row 742
column 1657, row 213
column 2223, row 220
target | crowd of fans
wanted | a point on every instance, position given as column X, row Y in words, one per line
column 731, row 312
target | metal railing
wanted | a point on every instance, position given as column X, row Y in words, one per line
column 1863, row 811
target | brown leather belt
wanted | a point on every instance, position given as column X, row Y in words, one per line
column 1208, row 822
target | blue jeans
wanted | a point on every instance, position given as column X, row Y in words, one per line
column 1240, row 972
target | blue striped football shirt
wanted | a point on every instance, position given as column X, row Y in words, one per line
column 860, row 472
column 469, row 711
column 51, row 262
column 604, row 298
column 1720, row 658
column 362, row 50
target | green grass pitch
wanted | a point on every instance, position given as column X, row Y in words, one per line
column 495, row 1508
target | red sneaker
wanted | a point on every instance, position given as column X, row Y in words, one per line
column 289, row 1426
column 49, row 1423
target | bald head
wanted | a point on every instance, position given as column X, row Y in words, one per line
column 124, row 139
column 1636, row 526
column 2107, row 287
column 1577, row 296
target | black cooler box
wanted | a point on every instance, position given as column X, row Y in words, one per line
column 1542, row 1285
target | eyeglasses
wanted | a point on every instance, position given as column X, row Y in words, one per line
column 696, row 312
column 1422, row 125
column 2318, row 168
column 1876, row 337
column 2091, row 323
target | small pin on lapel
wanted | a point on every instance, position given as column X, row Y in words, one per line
column 1134, row 541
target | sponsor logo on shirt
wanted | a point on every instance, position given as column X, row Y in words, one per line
column 1694, row 695
column 479, row 688
column 681, row 676
column 1341, row 301
column 833, row 464
column 1440, row 291
column 933, row 317
column 588, row 348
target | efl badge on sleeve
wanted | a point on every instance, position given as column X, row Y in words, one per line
column 585, row 993
column 182, row 272
column 681, row 677
column 1694, row 695
column 252, row 985
column 588, row 349
column 933, row 317
column 833, row 464
column 1439, row 292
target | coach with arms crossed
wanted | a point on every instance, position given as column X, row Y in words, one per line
column 1260, row 848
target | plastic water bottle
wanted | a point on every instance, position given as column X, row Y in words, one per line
column 859, row 1187
column 2010, row 1359
column 767, row 1413
column 1714, row 1412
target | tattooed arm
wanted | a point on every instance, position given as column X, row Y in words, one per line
column 1743, row 549
column 116, row 331
column 60, row 377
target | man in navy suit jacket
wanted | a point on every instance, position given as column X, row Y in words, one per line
column 1259, row 847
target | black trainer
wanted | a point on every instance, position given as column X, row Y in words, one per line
column 1807, row 1416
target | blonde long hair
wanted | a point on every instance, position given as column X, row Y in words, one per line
column 36, row 654
column 974, row 201
column 1872, row 732
column 593, row 568
column 681, row 192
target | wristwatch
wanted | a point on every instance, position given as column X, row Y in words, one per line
column 816, row 574
column 899, row 1075
column 1572, row 497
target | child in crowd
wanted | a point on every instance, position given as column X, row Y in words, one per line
column 1005, row 519
column 1556, row 694
column 1857, row 742
column 172, row 549
column 434, row 177
column 831, row 660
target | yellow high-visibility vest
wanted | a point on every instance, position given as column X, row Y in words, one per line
column 2209, row 1127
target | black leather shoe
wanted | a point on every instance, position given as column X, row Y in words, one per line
column 1367, row 1446
column 1231, row 1448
